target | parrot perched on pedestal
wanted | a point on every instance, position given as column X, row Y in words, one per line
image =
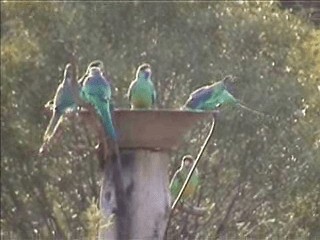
column 95, row 63
column 180, row 176
column 96, row 90
column 213, row 96
column 63, row 102
column 207, row 97
column 99, row 64
column 141, row 91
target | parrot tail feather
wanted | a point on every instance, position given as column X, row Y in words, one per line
column 251, row 110
column 107, row 121
column 53, row 126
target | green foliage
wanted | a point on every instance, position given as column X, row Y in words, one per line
column 262, row 174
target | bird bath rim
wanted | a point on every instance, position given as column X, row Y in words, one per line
column 156, row 129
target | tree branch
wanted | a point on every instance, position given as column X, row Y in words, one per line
column 226, row 216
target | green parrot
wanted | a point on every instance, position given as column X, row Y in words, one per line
column 95, row 63
column 141, row 91
column 180, row 176
column 63, row 102
column 96, row 90
column 208, row 97
column 213, row 96
column 99, row 64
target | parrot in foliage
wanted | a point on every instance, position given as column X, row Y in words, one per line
column 96, row 90
column 180, row 176
column 213, row 96
column 141, row 91
column 63, row 102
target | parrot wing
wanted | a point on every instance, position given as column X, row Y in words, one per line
column 199, row 97
column 131, row 89
column 176, row 184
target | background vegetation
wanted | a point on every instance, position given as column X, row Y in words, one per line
column 262, row 175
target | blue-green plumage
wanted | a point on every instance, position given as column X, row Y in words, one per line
column 213, row 96
column 63, row 102
column 96, row 90
column 95, row 63
column 208, row 97
column 141, row 91
column 180, row 176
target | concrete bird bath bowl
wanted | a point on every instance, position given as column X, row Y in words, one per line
column 154, row 129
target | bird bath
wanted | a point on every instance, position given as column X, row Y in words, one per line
column 145, row 139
